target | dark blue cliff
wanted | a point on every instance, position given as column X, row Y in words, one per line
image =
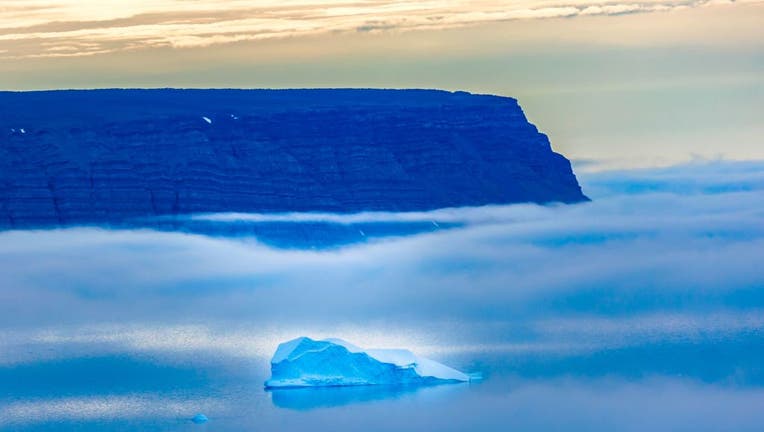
column 100, row 156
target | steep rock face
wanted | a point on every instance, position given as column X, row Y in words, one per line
column 100, row 156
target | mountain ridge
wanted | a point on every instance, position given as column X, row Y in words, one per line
column 98, row 156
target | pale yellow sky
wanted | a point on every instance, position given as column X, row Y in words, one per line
column 622, row 82
column 55, row 28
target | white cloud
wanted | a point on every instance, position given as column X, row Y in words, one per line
column 670, row 253
column 41, row 28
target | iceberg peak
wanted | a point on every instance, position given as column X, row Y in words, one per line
column 304, row 362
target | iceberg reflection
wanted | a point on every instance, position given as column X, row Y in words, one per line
column 310, row 398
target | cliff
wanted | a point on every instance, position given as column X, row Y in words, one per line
column 99, row 156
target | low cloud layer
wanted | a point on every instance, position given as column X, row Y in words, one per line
column 658, row 253
column 31, row 28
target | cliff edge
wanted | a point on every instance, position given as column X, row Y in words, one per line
column 100, row 156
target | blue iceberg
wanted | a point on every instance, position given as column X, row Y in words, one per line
column 304, row 362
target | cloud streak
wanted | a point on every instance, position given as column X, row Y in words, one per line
column 60, row 28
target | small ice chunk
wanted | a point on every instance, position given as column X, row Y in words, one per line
column 362, row 233
column 207, row 119
column 234, row 117
column 200, row 418
column 304, row 362
column 22, row 130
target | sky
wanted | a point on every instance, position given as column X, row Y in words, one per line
column 614, row 83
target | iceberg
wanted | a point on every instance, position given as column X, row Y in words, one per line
column 304, row 362
column 200, row 418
